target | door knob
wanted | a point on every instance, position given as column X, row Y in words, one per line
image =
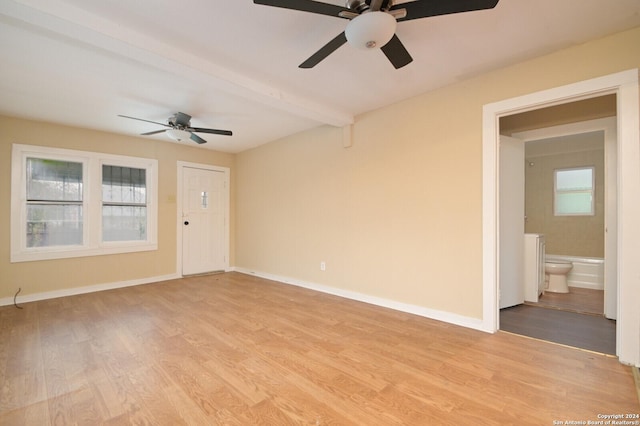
column 186, row 222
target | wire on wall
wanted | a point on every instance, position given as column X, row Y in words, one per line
column 14, row 299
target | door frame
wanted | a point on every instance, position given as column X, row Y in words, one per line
column 181, row 165
column 625, row 85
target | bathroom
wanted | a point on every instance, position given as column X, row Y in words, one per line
column 573, row 237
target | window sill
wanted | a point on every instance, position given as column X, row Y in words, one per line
column 72, row 252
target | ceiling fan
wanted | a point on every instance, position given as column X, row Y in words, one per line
column 179, row 128
column 373, row 22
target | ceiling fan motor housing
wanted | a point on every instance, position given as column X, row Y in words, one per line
column 362, row 5
column 180, row 120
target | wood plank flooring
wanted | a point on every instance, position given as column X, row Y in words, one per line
column 236, row 350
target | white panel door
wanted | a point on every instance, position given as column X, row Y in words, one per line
column 203, row 221
column 511, row 222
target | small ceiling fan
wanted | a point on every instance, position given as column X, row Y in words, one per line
column 179, row 128
column 373, row 22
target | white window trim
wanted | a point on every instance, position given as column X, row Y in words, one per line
column 92, row 204
column 593, row 191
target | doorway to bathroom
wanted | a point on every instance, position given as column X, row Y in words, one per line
column 585, row 316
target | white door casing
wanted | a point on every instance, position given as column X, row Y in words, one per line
column 203, row 218
column 625, row 85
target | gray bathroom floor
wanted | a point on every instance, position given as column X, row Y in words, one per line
column 581, row 300
column 585, row 331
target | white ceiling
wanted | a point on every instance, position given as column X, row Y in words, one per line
column 234, row 65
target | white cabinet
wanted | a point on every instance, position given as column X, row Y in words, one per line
column 533, row 266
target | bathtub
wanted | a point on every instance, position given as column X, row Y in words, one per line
column 587, row 272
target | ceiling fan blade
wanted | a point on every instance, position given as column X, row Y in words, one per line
column 197, row 139
column 306, row 6
column 212, row 131
column 148, row 121
column 155, row 132
column 396, row 53
column 325, row 51
column 424, row 8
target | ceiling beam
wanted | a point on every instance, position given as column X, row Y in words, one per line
column 83, row 27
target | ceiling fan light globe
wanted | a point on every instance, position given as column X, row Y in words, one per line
column 178, row 134
column 371, row 30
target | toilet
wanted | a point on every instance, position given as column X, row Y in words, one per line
column 556, row 275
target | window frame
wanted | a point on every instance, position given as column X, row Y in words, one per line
column 92, row 244
column 592, row 211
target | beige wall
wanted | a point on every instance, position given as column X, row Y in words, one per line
column 399, row 214
column 565, row 235
column 45, row 276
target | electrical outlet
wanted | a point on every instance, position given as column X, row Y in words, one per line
column 323, row 266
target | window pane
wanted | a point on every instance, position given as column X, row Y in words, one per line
column 123, row 185
column 124, row 223
column 53, row 180
column 571, row 180
column 54, row 225
column 573, row 203
column 573, row 192
column 124, row 198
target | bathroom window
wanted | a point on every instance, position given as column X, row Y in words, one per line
column 574, row 192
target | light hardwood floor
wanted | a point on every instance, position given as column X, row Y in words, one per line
column 235, row 349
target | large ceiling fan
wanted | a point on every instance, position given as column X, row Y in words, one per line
column 179, row 128
column 373, row 22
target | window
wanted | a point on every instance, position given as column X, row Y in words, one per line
column 124, row 203
column 68, row 203
column 54, row 202
column 573, row 192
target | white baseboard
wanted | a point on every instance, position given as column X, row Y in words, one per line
column 86, row 289
column 448, row 317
